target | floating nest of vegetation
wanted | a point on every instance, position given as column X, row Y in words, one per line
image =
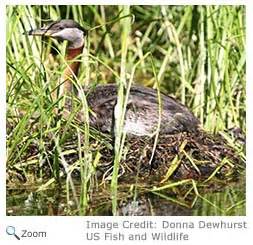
column 198, row 156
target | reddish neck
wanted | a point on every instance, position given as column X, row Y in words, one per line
column 72, row 67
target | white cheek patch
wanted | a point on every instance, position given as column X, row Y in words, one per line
column 73, row 35
column 63, row 34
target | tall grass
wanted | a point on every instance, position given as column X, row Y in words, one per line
column 198, row 53
column 119, row 111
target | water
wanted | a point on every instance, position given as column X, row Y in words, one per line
column 55, row 201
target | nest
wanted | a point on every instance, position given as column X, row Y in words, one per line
column 197, row 156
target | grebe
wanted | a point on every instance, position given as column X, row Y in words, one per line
column 141, row 118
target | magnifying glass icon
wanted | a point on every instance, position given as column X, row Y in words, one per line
column 10, row 230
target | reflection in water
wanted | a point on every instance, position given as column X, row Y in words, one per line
column 229, row 201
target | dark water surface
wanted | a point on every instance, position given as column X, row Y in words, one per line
column 55, row 201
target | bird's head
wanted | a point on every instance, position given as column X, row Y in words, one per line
column 68, row 30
